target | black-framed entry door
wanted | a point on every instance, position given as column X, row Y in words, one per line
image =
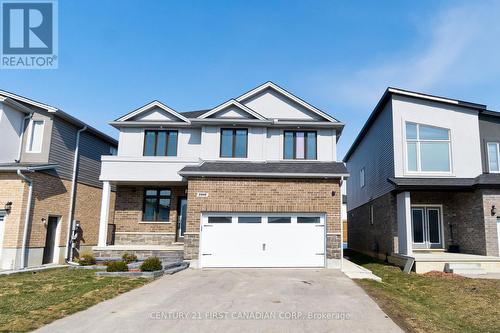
column 427, row 227
column 50, row 240
column 181, row 218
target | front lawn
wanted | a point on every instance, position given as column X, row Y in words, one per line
column 432, row 304
column 31, row 300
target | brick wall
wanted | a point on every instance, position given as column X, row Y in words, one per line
column 51, row 196
column 490, row 198
column 380, row 238
column 130, row 228
column 263, row 195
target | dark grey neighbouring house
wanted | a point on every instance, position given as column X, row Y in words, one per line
column 425, row 184
column 49, row 183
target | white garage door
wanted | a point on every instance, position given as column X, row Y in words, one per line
column 270, row 240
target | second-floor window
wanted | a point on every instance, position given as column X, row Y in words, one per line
column 35, row 137
column 233, row 142
column 493, row 156
column 160, row 143
column 299, row 145
column 427, row 148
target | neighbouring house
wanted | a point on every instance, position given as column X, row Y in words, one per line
column 49, row 176
column 253, row 182
column 425, row 183
column 344, row 219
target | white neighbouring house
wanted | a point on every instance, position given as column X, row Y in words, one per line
column 253, row 182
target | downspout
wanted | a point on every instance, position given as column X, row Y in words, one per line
column 26, row 217
column 23, row 129
column 341, row 229
column 69, row 246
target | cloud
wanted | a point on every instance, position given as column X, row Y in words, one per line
column 457, row 47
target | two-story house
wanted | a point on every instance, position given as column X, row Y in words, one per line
column 425, row 183
column 253, row 182
column 49, row 183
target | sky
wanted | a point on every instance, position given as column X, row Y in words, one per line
column 115, row 56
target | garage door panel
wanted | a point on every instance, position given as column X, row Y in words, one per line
column 262, row 244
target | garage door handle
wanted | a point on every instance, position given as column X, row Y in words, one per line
column 320, row 225
column 208, row 225
column 320, row 254
column 206, row 254
column 263, row 246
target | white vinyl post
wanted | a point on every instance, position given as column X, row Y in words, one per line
column 103, row 223
column 404, row 223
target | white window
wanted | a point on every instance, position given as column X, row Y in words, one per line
column 35, row 137
column 362, row 177
column 428, row 148
column 493, row 157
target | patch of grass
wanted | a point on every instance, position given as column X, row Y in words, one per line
column 31, row 300
column 432, row 304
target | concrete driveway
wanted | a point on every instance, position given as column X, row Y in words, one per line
column 245, row 300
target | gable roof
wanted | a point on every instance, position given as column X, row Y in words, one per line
column 389, row 92
column 275, row 87
column 229, row 103
column 148, row 107
column 11, row 97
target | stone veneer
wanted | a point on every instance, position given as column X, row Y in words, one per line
column 129, row 227
column 262, row 196
column 467, row 222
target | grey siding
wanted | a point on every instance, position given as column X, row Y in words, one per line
column 376, row 154
column 489, row 131
column 91, row 150
column 62, row 152
column 62, row 147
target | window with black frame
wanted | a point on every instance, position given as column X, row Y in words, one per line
column 233, row 142
column 300, row 145
column 160, row 143
column 156, row 204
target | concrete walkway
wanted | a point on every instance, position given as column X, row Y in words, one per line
column 355, row 271
column 244, row 300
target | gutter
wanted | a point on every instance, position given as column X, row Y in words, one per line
column 26, row 217
column 23, row 129
column 69, row 247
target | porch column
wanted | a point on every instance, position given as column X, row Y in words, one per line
column 404, row 223
column 103, row 223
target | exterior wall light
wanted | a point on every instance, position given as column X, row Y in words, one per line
column 8, row 206
column 493, row 210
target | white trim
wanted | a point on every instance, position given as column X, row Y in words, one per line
column 3, row 216
column 282, row 91
column 488, row 156
column 426, row 231
column 229, row 103
column 148, row 107
column 30, row 134
column 14, row 104
column 418, row 142
column 28, row 101
column 362, row 177
column 57, row 239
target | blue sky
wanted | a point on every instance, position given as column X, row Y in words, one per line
column 115, row 56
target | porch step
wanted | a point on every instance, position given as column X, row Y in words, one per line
column 472, row 268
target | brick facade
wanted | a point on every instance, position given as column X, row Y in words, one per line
column 51, row 197
column 264, row 195
column 467, row 222
column 130, row 229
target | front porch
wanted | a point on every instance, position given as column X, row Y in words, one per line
column 452, row 231
column 442, row 261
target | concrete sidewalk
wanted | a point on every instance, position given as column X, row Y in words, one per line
column 244, row 300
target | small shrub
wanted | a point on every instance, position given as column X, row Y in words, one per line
column 117, row 266
column 86, row 260
column 151, row 264
column 128, row 258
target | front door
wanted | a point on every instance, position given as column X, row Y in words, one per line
column 50, row 240
column 426, row 227
column 181, row 218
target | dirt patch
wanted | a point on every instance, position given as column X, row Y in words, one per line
column 443, row 275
